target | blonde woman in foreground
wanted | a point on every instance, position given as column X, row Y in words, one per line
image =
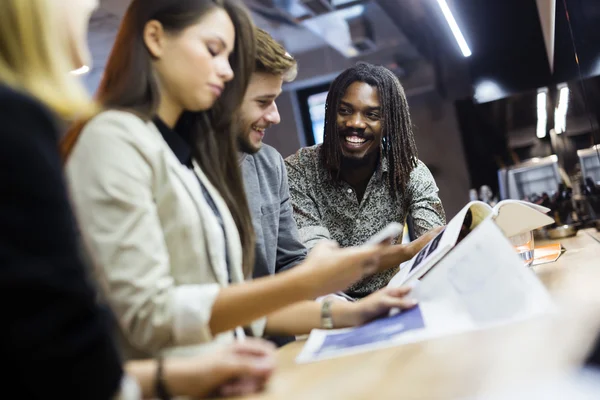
column 55, row 340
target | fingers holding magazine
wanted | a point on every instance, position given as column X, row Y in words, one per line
column 416, row 245
column 395, row 255
column 380, row 303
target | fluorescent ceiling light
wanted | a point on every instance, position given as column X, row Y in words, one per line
column 488, row 90
column 460, row 39
column 542, row 114
column 560, row 113
column 351, row 51
column 81, row 71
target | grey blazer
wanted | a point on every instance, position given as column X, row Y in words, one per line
column 157, row 247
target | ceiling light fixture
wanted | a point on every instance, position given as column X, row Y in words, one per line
column 460, row 39
column 81, row 70
column 542, row 114
column 488, row 90
column 560, row 113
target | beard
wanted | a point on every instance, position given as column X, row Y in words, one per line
column 245, row 146
column 357, row 161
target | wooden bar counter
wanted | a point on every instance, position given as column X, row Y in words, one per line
column 464, row 365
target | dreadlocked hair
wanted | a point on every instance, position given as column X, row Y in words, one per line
column 398, row 143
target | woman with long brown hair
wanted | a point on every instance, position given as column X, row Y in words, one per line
column 158, row 192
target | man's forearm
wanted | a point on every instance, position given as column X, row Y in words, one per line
column 301, row 318
column 395, row 255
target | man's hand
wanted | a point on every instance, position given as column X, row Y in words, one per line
column 373, row 306
column 395, row 255
column 416, row 245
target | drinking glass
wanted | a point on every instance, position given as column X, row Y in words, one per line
column 524, row 246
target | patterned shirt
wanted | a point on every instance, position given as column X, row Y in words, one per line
column 327, row 210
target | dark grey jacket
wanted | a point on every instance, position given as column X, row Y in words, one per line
column 278, row 245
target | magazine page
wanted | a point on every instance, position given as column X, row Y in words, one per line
column 515, row 217
column 400, row 278
column 536, row 207
column 480, row 211
column 323, row 344
column 462, row 223
column 484, row 281
column 479, row 284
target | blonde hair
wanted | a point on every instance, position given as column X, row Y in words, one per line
column 34, row 57
column 272, row 58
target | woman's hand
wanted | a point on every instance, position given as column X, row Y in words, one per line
column 236, row 370
column 329, row 268
column 375, row 305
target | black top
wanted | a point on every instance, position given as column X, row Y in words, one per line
column 55, row 341
column 180, row 145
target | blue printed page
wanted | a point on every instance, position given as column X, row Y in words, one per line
column 379, row 331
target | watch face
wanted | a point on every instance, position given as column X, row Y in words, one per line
column 326, row 321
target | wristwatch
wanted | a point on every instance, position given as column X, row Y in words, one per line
column 326, row 320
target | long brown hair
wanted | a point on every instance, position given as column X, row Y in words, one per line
column 130, row 83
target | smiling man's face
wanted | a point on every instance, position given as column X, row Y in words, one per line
column 359, row 122
column 259, row 111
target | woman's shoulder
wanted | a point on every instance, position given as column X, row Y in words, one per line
column 119, row 126
column 117, row 137
column 116, row 121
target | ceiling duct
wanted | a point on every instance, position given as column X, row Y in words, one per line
column 318, row 7
column 342, row 24
column 345, row 30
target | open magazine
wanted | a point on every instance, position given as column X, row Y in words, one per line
column 513, row 217
column 478, row 281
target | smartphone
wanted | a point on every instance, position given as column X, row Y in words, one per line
column 394, row 229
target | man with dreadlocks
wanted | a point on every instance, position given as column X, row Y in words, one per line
column 278, row 246
column 366, row 173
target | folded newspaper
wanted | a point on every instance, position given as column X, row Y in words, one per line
column 469, row 278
